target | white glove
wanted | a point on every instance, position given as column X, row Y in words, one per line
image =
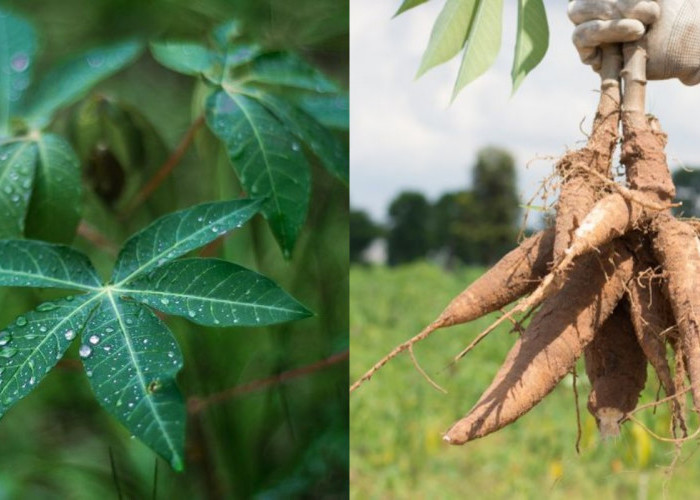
column 673, row 40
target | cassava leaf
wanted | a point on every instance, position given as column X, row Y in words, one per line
column 55, row 206
column 289, row 70
column 268, row 160
column 532, row 39
column 324, row 144
column 175, row 234
column 71, row 80
column 409, row 4
column 449, row 32
column 40, row 264
column 215, row 293
column 184, row 57
column 34, row 343
column 17, row 51
column 330, row 110
column 226, row 33
column 17, row 166
column 131, row 359
column 483, row 42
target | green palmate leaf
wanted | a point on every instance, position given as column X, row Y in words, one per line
column 226, row 33
column 186, row 58
column 532, row 39
column 483, row 42
column 17, row 165
column 268, row 160
column 17, row 50
column 55, row 206
column 215, row 293
column 131, row 359
column 34, row 343
column 324, row 144
column 449, row 33
column 409, row 4
column 40, row 264
column 289, row 70
column 329, row 110
column 72, row 79
column 176, row 234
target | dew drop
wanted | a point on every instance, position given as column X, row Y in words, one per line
column 109, row 329
column 84, row 351
column 95, row 61
column 94, row 339
column 19, row 62
column 69, row 298
column 7, row 352
column 42, row 329
column 69, row 335
column 191, row 314
column 295, row 146
column 164, row 301
column 21, row 321
column 48, row 306
column 5, row 338
column 32, row 381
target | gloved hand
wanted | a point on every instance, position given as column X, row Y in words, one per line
column 672, row 29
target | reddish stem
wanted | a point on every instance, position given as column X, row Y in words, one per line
column 164, row 171
column 197, row 404
column 94, row 236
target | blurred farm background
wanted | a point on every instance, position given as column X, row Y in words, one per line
column 276, row 426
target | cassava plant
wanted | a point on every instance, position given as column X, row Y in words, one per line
column 129, row 354
column 614, row 279
column 268, row 108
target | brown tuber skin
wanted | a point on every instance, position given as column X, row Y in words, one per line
column 617, row 369
column 551, row 344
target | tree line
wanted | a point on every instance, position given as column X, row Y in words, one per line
column 474, row 226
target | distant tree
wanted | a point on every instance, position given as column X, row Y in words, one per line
column 687, row 192
column 362, row 231
column 494, row 187
column 453, row 218
column 408, row 238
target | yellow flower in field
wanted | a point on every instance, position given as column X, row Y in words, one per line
column 556, row 470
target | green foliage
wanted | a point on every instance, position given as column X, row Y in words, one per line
column 255, row 105
column 687, row 182
column 408, row 237
column 129, row 354
column 362, row 232
column 473, row 27
column 397, row 419
column 53, row 177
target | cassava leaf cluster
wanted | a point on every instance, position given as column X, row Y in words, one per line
column 270, row 109
column 473, row 27
column 129, row 354
column 39, row 171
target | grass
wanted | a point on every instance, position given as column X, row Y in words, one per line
column 397, row 419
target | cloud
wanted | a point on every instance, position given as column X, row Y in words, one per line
column 404, row 134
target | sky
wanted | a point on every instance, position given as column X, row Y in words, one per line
column 405, row 134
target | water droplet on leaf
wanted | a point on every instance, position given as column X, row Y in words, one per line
column 84, row 351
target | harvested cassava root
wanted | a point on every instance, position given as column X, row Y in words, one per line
column 615, row 280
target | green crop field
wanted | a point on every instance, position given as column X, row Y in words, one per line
column 397, row 419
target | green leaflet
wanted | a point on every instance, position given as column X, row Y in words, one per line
column 130, row 356
column 215, row 293
column 34, row 343
column 326, row 146
column 449, row 33
column 184, row 57
column 177, row 233
column 329, row 110
column 39, row 264
column 71, row 80
column 17, row 166
column 226, row 33
column 289, row 70
column 17, row 50
column 55, row 206
column 409, row 4
column 532, row 39
column 131, row 359
column 268, row 160
column 483, row 42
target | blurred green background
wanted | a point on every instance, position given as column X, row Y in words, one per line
column 397, row 419
column 286, row 441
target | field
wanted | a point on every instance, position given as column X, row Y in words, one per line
column 397, row 418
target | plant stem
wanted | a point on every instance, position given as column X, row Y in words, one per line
column 92, row 235
column 164, row 171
